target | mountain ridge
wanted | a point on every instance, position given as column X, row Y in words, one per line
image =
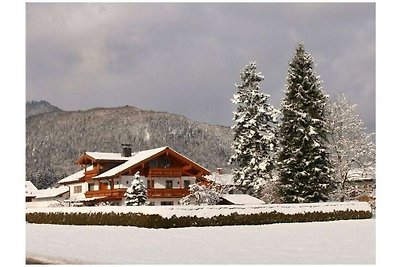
column 55, row 139
column 34, row 107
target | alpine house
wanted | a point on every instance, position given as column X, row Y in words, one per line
column 106, row 176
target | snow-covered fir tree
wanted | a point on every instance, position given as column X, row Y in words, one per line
column 254, row 133
column 350, row 147
column 304, row 166
column 136, row 194
column 201, row 195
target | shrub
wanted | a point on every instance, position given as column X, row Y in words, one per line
column 157, row 221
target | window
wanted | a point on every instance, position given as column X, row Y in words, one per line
column 167, row 203
column 78, row 189
column 91, row 187
column 150, row 183
column 151, row 203
column 186, row 184
column 168, row 184
column 160, row 162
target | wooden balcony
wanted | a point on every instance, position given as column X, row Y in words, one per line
column 114, row 193
column 165, row 172
column 167, row 193
column 90, row 174
column 151, row 193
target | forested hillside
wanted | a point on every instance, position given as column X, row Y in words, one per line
column 54, row 140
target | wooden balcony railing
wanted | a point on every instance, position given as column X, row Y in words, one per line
column 118, row 193
column 151, row 193
column 165, row 172
column 90, row 174
column 162, row 192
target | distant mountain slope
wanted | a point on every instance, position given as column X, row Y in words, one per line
column 54, row 140
column 39, row 107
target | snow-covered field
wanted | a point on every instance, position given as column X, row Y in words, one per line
column 335, row 242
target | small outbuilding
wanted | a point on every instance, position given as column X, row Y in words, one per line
column 48, row 197
column 240, row 199
column 30, row 191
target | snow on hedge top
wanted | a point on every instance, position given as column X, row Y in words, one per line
column 215, row 210
column 76, row 176
column 135, row 159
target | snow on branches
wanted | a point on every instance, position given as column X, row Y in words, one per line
column 136, row 194
column 304, row 166
column 350, row 147
column 254, row 133
column 201, row 195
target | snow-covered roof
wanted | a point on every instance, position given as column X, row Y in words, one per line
column 30, row 189
column 106, row 156
column 242, row 199
column 359, row 175
column 191, row 161
column 135, row 159
column 222, row 179
column 52, row 192
column 76, row 176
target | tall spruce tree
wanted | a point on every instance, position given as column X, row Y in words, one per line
column 254, row 133
column 304, row 166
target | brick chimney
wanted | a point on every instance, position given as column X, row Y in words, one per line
column 126, row 150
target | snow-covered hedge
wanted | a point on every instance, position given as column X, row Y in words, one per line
column 186, row 216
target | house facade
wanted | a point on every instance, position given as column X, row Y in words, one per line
column 106, row 176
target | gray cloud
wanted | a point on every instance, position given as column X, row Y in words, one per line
column 186, row 58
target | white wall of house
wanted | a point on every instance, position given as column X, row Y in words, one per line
column 125, row 181
column 157, row 201
column 160, row 183
column 74, row 194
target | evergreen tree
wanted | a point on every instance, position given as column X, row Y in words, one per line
column 350, row 147
column 305, row 169
column 136, row 195
column 254, row 133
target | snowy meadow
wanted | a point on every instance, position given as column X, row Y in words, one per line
column 335, row 242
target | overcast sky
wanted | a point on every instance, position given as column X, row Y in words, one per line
column 186, row 58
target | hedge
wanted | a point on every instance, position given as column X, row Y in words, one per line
column 157, row 221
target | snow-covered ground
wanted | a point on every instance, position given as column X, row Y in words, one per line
column 335, row 242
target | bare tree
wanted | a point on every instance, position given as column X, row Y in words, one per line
column 350, row 147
